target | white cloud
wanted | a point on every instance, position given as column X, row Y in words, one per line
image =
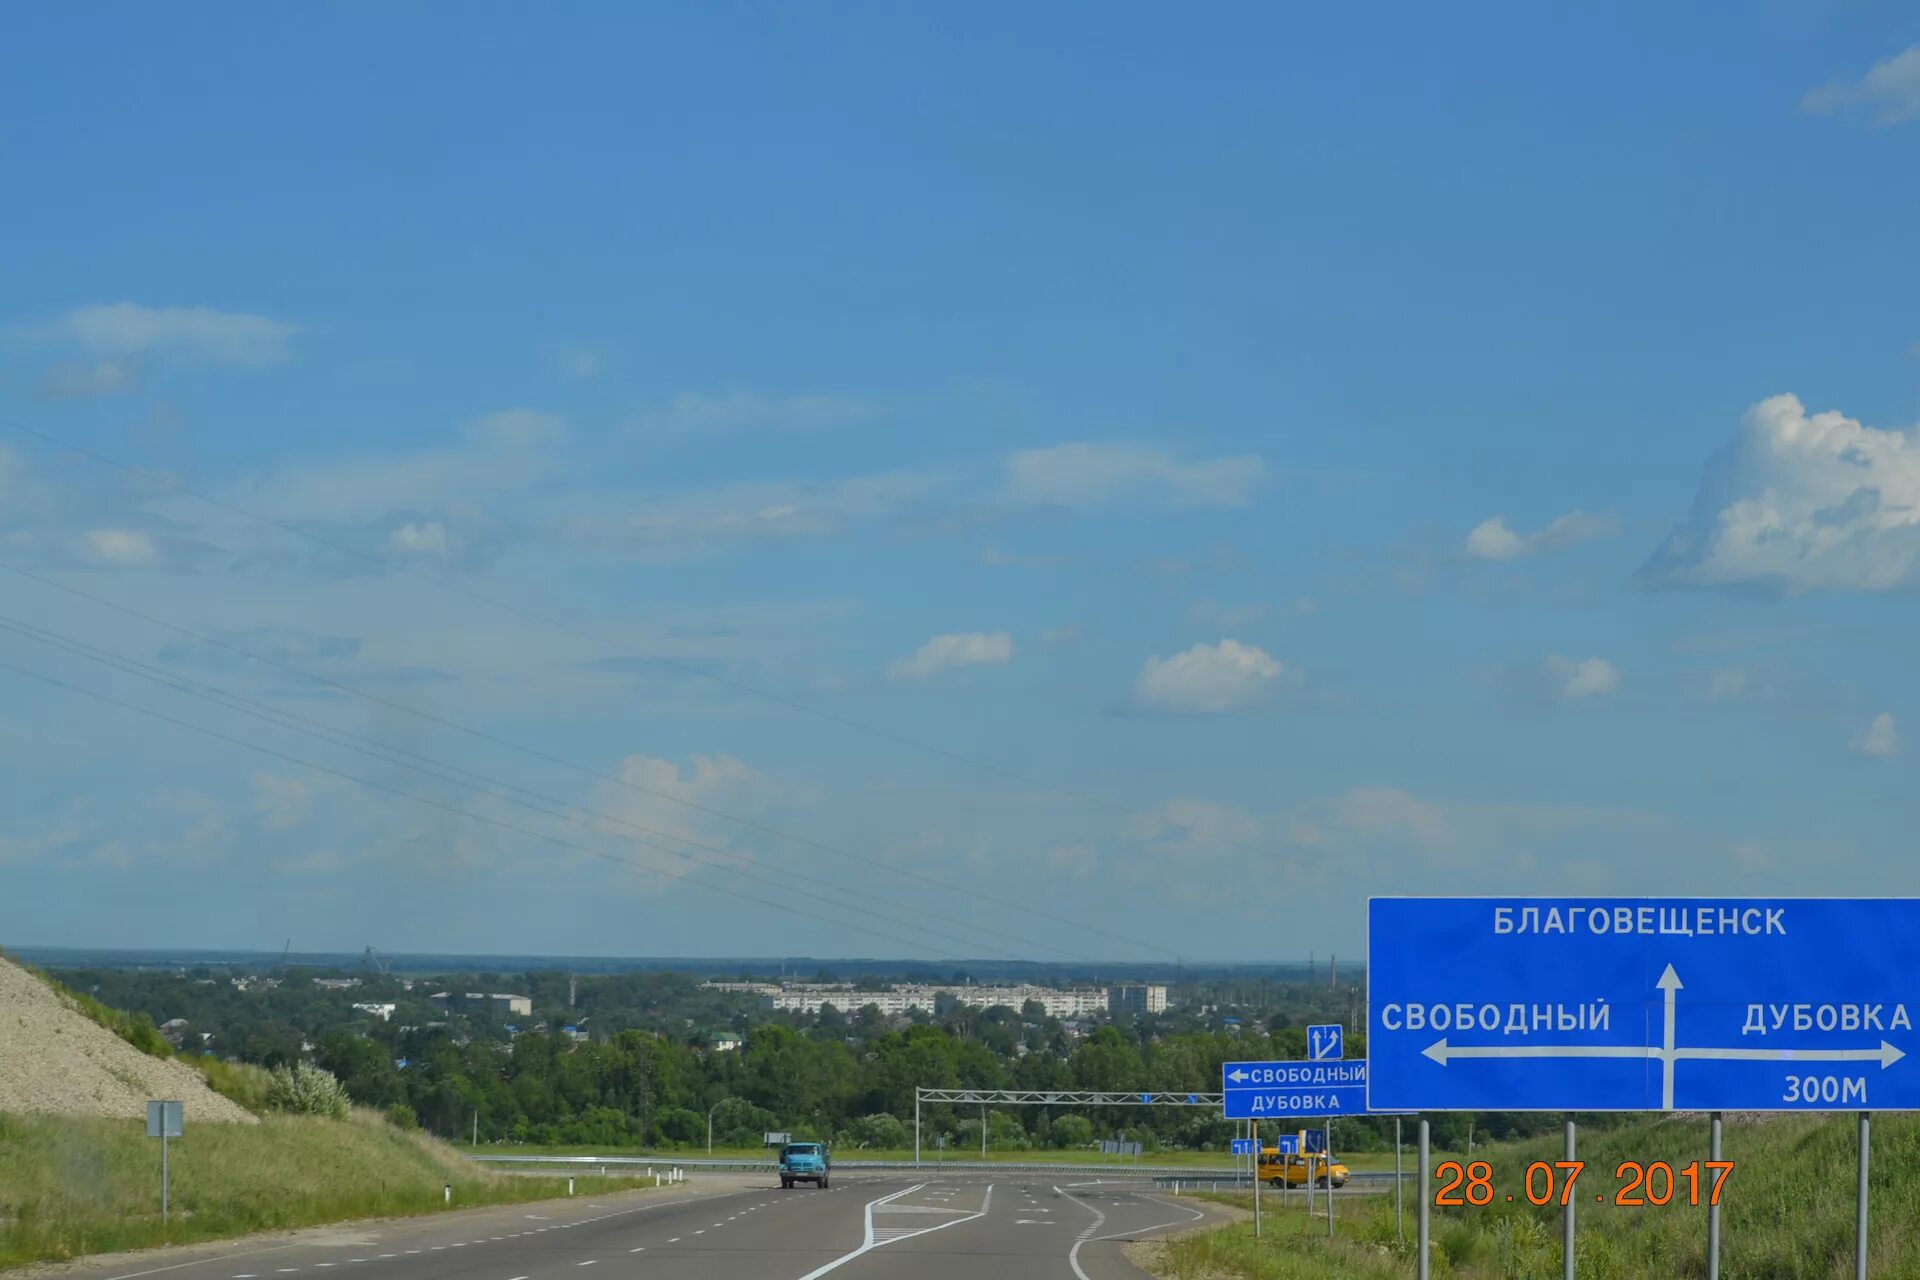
column 576, row 362
column 1492, row 539
column 223, row 337
column 282, row 802
column 653, row 798
column 428, row 539
column 1799, row 502
column 674, row 528
column 1073, row 861
column 90, row 379
column 946, row 652
column 498, row 454
column 728, row 411
column 120, row 548
column 1206, row 679
column 1880, row 738
column 1587, row 678
column 1090, row 475
column 1890, row 89
column 1388, row 810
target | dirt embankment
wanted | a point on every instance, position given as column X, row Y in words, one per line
column 54, row 1059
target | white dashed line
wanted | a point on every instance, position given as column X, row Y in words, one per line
column 675, row 1240
column 641, row 1249
column 288, row 1270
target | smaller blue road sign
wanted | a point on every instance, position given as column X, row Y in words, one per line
column 1326, row 1041
column 1242, row 1147
column 1262, row 1090
column 1288, row 1145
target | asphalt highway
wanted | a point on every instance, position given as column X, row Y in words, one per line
column 932, row 1228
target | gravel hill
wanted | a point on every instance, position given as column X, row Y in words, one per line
column 56, row 1059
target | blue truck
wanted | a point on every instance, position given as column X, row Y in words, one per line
column 805, row 1162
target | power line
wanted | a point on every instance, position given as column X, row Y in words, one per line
column 687, row 668
column 586, row 770
column 456, row 809
column 548, row 806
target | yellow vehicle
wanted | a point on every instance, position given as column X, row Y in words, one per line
column 1281, row 1171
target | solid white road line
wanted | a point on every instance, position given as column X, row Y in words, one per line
column 871, row 1242
column 1099, row 1220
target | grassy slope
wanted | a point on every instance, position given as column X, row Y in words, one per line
column 76, row 1185
column 1787, row 1214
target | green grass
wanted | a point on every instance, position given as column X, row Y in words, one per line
column 1786, row 1214
column 74, row 1185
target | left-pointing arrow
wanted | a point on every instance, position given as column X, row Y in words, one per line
column 1238, row 1076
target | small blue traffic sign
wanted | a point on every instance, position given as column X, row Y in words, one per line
column 1265, row 1090
column 1326, row 1041
column 1242, row 1147
column 1288, row 1145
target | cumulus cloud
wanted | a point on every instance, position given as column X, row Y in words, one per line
column 90, row 379
column 282, row 802
column 1207, row 679
column 1080, row 475
column 947, row 652
column 1492, row 539
column 1799, row 502
column 662, row 797
column 221, row 337
column 1890, row 91
column 425, row 539
column 117, row 548
column 1880, row 738
column 1587, row 678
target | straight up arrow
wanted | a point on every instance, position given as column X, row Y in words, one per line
column 1669, row 983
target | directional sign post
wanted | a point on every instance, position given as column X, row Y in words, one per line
column 1242, row 1147
column 1644, row 1004
column 1326, row 1041
column 165, row 1120
column 1267, row 1090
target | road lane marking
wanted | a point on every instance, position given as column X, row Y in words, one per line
column 675, row 1240
column 872, row 1240
column 589, row 1262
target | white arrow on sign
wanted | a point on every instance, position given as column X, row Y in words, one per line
column 1237, row 1076
column 1667, row 1053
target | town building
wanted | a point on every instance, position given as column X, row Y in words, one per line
column 1137, row 999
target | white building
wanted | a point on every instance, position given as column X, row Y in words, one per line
column 384, row 1012
column 1138, row 998
column 1057, row 1003
column 522, row 1005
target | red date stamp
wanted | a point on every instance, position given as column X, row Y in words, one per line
column 1637, row 1185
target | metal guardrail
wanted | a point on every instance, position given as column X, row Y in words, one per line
column 743, row 1164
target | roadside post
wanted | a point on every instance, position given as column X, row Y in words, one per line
column 1328, row 1165
column 165, row 1120
column 1426, row 1208
column 1253, row 1127
column 1713, row 1208
column 1399, row 1214
column 1645, row 1005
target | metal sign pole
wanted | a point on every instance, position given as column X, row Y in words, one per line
column 165, row 1207
column 1399, row 1213
column 1254, row 1126
column 1860, row 1213
column 916, row 1128
column 1426, row 1227
column 1328, row 1166
column 1713, row 1205
column 1309, row 1184
column 1566, row 1230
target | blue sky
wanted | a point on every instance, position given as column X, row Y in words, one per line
column 1131, row 483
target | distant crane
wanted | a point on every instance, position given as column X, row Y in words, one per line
column 377, row 962
column 285, row 952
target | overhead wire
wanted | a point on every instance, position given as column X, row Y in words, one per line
column 428, row 801
column 686, row 668
column 585, row 770
column 549, row 806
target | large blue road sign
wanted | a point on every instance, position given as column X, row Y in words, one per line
column 1265, row 1090
column 1643, row 1004
column 1241, row 1147
column 1326, row 1040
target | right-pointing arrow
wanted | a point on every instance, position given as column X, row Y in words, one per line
column 1886, row 1055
